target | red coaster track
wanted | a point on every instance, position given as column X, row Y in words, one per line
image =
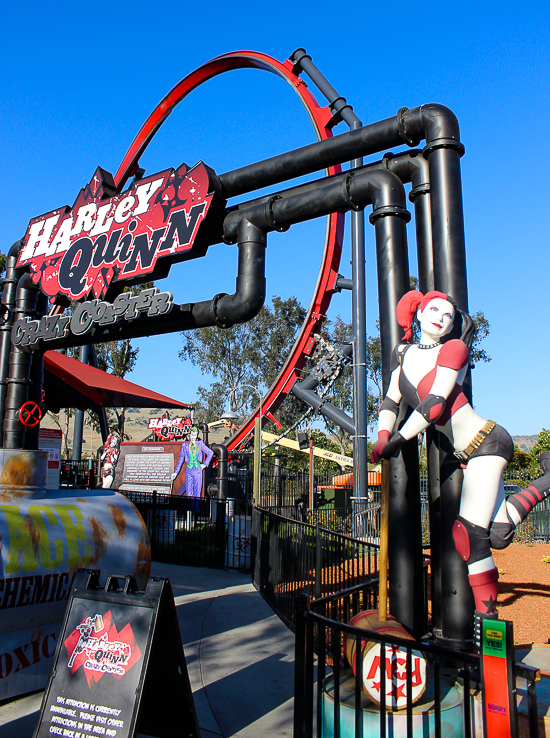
column 328, row 272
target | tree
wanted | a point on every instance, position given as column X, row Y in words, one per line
column 541, row 445
column 481, row 331
column 118, row 358
column 3, row 258
column 251, row 353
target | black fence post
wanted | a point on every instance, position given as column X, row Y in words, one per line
column 255, row 546
column 302, row 713
column 154, row 523
column 220, row 534
column 318, row 562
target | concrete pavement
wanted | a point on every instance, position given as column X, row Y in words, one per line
column 240, row 658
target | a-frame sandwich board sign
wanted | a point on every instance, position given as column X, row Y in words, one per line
column 119, row 666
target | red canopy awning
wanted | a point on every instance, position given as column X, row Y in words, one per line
column 70, row 383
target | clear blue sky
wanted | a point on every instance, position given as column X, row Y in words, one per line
column 79, row 79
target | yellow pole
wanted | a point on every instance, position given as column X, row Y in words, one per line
column 383, row 578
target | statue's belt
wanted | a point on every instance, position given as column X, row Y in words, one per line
column 476, row 441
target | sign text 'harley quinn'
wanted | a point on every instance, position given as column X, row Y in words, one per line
column 103, row 238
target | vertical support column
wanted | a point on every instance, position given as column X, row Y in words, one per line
column 342, row 110
column 457, row 605
column 20, row 364
column 103, row 424
column 32, row 434
column 78, row 429
column 359, row 327
column 9, row 295
column 405, row 541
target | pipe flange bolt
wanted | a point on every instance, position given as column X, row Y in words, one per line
column 386, row 210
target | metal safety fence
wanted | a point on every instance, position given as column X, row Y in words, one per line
column 194, row 531
column 362, row 519
column 355, row 682
column 290, row 556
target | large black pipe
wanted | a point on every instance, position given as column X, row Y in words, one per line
column 9, row 293
column 221, row 452
column 434, row 123
column 338, row 105
column 414, row 168
column 20, row 363
column 406, row 579
column 352, row 190
column 249, row 296
column 457, row 604
column 32, row 433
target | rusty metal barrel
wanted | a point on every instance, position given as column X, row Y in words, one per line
column 45, row 537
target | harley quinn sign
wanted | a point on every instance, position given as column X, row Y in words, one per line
column 97, row 647
column 103, row 238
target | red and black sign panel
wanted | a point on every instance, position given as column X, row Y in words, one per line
column 119, row 666
column 104, row 237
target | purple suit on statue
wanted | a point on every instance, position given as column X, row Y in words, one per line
column 193, row 453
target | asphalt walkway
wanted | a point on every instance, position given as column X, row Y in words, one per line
column 240, row 658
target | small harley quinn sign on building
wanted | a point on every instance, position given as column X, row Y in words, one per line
column 106, row 237
column 168, row 428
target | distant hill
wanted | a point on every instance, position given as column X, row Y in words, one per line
column 525, row 443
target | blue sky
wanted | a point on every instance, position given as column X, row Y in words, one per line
column 78, row 80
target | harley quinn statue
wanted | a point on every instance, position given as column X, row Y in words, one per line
column 428, row 376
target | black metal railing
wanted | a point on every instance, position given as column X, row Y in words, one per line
column 195, row 531
column 330, row 699
column 289, row 556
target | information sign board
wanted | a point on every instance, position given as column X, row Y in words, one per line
column 50, row 441
column 119, row 667
column 499, row 699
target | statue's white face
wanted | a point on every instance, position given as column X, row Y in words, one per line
column 193, row 436
column 114, row 442
column 436, row 320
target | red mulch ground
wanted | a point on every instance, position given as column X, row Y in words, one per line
column 524, row 591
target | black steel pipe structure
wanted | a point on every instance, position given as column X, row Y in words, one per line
column 223, row 480
column 341, row 109
column 437, row 195
column 20, row 369
column 9, row 295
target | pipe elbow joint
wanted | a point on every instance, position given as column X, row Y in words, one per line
column 249, row 296
column 15, row 249
column 387, row 195
column 436, row 123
